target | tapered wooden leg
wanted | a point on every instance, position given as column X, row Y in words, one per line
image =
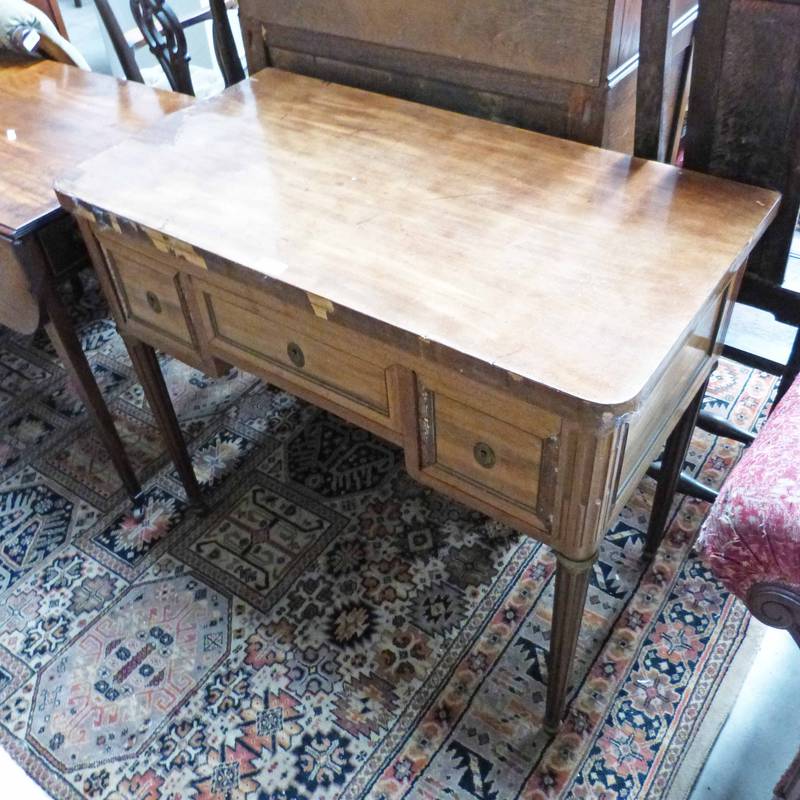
column 671, row 468
column 572, row 583
column 147, row 368
column 62, row 335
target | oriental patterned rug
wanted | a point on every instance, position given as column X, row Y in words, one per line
column 331, row 629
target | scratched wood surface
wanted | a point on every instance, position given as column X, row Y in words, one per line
column 53, row 115
column 564, row 265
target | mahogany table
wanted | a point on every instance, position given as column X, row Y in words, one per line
column 528, row 317
column 52, row 115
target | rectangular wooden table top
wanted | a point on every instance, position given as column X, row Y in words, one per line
column 553, row 262
column 53, row 116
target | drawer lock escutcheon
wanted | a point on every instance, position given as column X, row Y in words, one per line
column 296, row 355
column 153, row 302
column 484, row 455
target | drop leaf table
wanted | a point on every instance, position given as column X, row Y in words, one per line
column 52, row 115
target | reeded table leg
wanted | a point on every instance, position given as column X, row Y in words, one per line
column 146, row 365
column 672, row 466
column 62, row 335
column 572, row 583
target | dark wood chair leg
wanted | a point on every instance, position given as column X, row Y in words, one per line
column 672, row 466
column 147, row 368
column 224, row 44
column 686, row 483
column 718, row 426
column 572, row 583
column 62, row 335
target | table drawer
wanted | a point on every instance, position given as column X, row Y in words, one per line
column 285, row 344
column 472, row 450
column 150, row 294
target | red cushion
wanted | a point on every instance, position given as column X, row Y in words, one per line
column 752, row 534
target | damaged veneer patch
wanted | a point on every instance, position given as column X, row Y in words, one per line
column 321, row 305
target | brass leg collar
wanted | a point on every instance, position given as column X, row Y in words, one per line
column 576, row 567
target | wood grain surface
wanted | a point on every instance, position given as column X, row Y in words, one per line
column 560, row 264
column 52, row 116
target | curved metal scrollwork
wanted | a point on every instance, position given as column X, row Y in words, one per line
column 164, row 35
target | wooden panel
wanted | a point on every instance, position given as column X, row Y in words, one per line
column 620, row 117
column 665, row 51
column 478, row 458
column 755, row 114
column 625, row 37
column 278, row 341
column 55, row 115
column 650, row 425
column 549, row 107
column 542, row 37
column 468, row 446
column 149, row 291
column 495, row 247
column 19, row 308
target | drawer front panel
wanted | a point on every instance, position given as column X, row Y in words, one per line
column 281, row 344
column 475, row 452
column 486, row 451
column 149, row 291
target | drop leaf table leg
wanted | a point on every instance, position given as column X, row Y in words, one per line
column 65, row 341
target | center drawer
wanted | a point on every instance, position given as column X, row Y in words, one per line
column 285, row 345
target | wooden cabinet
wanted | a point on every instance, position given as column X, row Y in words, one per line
column 568, row 69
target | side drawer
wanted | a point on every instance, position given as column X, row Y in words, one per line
column 150, row 295
column 494, row 453
column 286, row 346
column 653, row 422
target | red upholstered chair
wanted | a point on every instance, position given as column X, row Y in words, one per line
column 751, row 537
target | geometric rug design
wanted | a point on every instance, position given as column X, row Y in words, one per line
column 330, row 628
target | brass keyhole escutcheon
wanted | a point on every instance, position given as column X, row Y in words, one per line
column 153, row 302
column 296, row 355
column 484, row 455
